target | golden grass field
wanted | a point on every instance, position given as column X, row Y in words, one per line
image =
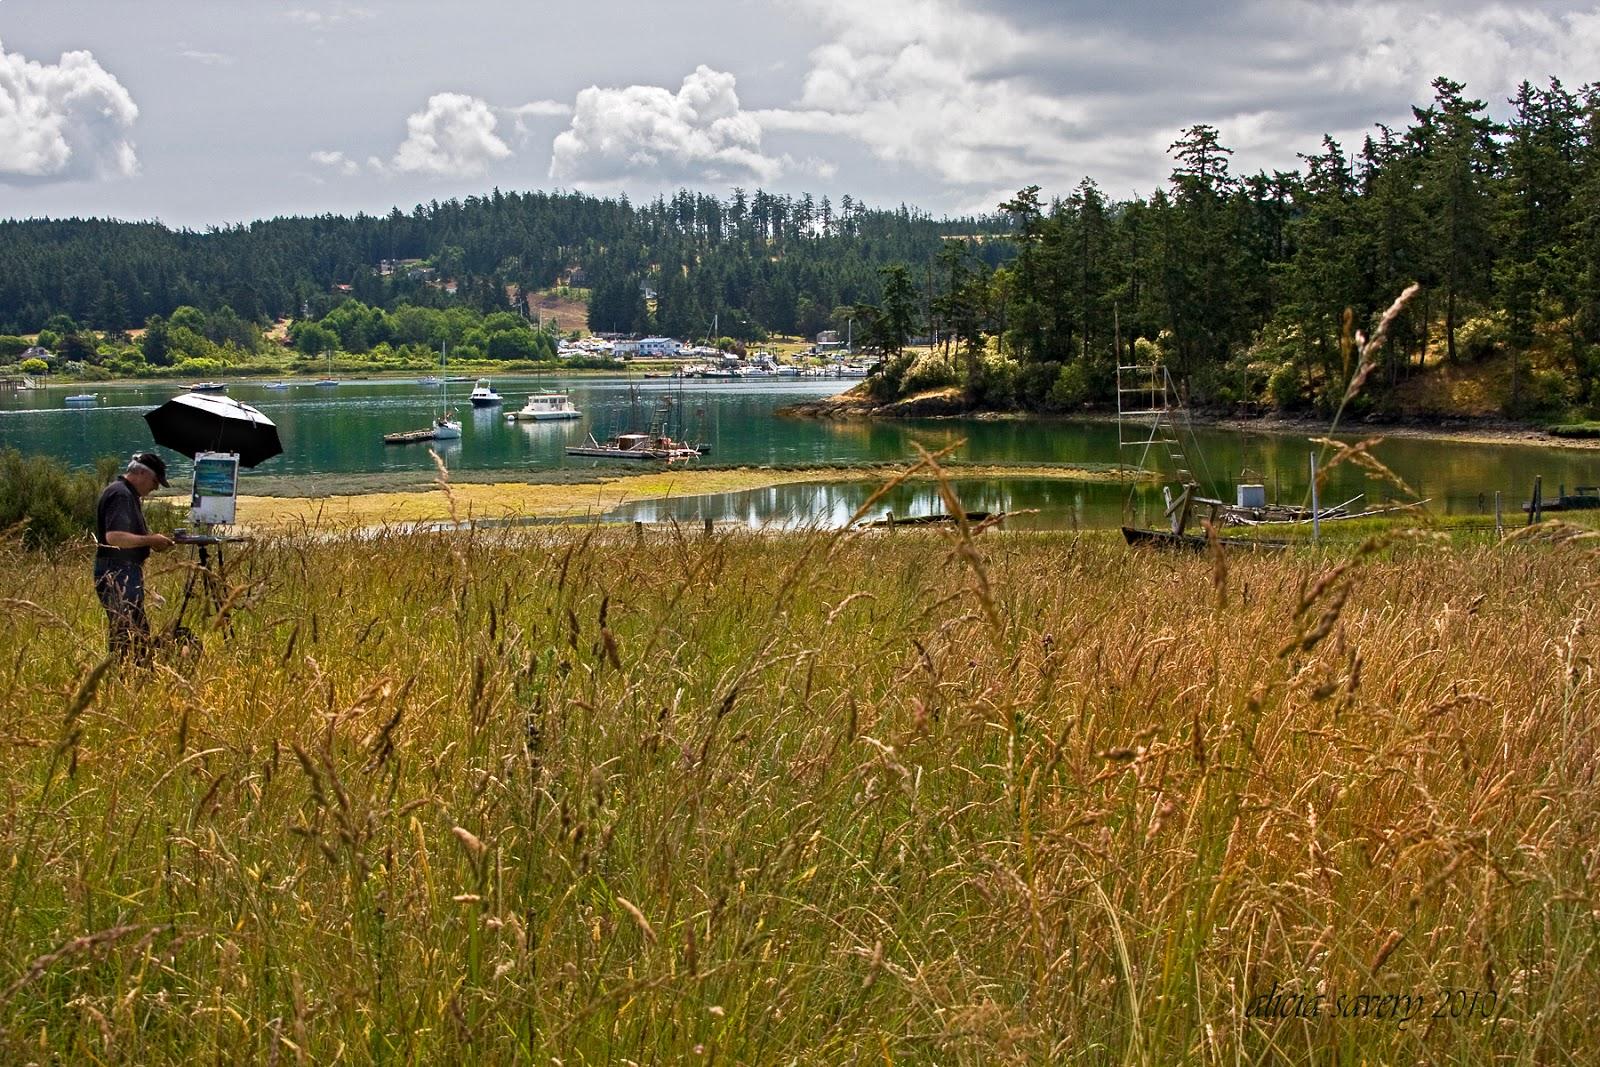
column 566, row 796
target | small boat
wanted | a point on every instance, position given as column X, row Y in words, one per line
column 208, row 387
column 326, row 381
column 446, row 427
column 1195, row 542
column 429, row 380
column 890, row 521
column 277, row 385
column 1582, row 498
column 635, row 446
column 443, row 429
column 545, row 407
column 483, row 395
column 84, row 398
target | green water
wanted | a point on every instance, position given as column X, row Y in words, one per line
column 339, row 430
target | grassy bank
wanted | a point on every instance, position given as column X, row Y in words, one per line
column 405, row 497
column 536, row 795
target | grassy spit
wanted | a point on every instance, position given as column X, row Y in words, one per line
column 531, row 794
column 579, row 492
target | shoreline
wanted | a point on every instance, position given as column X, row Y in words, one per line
column 584, row 494
column 940, row 405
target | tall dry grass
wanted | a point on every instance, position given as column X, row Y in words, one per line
column 582, row 797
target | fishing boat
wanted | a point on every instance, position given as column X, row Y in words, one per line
column 84, row 398
column 639, row 446
column 545, row 407
column 208, row 387
column 483, row 395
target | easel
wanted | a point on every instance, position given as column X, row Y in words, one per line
column 216, row 476
column 202, row 574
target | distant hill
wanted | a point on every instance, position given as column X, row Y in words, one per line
column 755, row 262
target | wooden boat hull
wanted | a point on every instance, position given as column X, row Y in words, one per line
column 1193, row 542
column 926, row 520
column 650, row 454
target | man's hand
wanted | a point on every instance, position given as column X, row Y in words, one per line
column 159, row 542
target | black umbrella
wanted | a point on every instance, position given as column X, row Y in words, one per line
column 200, row 422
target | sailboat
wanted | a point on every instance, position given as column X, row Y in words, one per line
column 330, row 379
column 444, row 428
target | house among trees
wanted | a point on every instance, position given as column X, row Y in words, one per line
column 659, row 347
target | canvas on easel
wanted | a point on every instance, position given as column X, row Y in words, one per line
column 216, row 484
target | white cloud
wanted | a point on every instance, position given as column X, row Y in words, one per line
column 454, row 135
column 337, row 162
column 1015, row 91
column 332, row 16
column 649, row 133
column 540, row 108
column 64, row 120
column 522, row 114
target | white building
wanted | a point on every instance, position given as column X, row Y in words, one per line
column 659, row 347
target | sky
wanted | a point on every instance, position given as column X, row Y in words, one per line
column 212, row 112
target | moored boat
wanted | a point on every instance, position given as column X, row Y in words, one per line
column 84, row 398
column 642, row 446
column 545, row 407
column 483, row 395
column 208, row 387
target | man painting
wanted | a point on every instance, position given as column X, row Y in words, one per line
column 124, row 543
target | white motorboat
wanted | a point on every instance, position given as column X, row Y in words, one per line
column 483, row 395
column 84, row 398
column 545, row 407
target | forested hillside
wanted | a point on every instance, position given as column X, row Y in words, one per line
column 1240, row 284
column 759, row 262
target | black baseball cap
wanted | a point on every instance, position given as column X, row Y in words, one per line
column 157, row 465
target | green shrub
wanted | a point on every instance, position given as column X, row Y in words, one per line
column 1480, row 337
column 1071, row 388
column 54, row 505
column 1286, row 389
column 34, row 366
column 1575, row 429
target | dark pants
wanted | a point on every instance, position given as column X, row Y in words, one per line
column 120, row 586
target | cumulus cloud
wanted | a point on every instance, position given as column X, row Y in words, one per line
column 1009, row 92
column 453, row 136
column 337, row 162
column 64, row 120
column 646, row 132
column 540, row 108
